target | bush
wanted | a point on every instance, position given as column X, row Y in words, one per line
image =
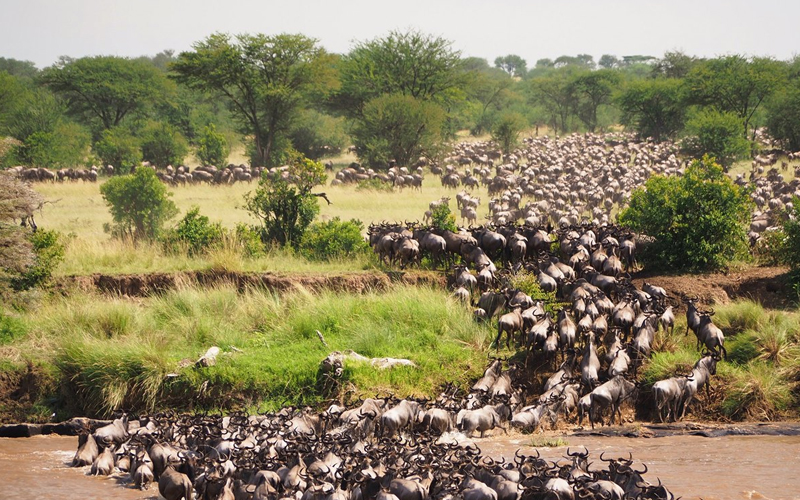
column 699, row 221
column 212, row 148
column 140, row 204
column 334, row 239
column 195, row 232
column 442, row 218
column 398, row 127
column 374, row 184
column 317, row 135
column 286, row 208
column 248, row 240
column 119, row 148
column 49, row 252
column 506, row 130
column 163, row 145
column 716, row 134
column 791, row 243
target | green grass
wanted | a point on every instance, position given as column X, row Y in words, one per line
column 547, row 442
column 760, row 380
column 78, row 211
column 138, row 354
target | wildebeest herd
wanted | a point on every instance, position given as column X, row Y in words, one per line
column 384, row 449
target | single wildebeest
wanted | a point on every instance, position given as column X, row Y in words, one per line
column 610, row 394
column 87, row 451
column 509, row 323
column 402, row 415
column 483, row 419
column 669, row 395
column 174, row 485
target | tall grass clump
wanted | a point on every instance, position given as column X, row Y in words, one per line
column 103, row 378
column 739, row 316
column 756, row 392
column 139, row 354
column 668, row 364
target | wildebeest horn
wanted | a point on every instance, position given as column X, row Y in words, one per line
column 641, row 471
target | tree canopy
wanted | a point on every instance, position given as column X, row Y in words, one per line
column 411, row 63
column 264, row 79
column 735, row 84
column 101, row 91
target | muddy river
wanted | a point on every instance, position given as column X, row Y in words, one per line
column 723, row 468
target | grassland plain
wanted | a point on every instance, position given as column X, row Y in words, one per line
column 78, row 211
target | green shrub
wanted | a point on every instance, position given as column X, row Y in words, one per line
column 49, row 252
column 163, row 145
column 212, row 148
column 285, row 208
column 771, row 248
column 716, row 134
column 119, row 148
column 791, row 230
column 248, row 240
column 373, row 184
column 443, row 218
column 140, row 204
column 195, row 232
column 699, row 221
column 334, row 239
column 506, row 130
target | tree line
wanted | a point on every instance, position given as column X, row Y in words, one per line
column 395, row 97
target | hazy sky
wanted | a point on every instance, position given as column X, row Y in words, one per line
column 43, row 30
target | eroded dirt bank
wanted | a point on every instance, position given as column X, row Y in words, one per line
column 143, row 285
column 766, row 285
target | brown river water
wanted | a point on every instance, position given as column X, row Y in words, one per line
column 692, row 467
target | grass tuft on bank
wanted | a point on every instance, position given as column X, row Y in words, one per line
column 139, row 354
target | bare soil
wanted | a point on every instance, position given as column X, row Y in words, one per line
column 768, row 286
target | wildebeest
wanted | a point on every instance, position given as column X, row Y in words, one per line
column 610, row 394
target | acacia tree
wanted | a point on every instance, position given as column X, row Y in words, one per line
column 654, row 108
column 512, row 64
column 557, row 94
column 593, row 89
column 735, row 84
column 105, row 89
column 420, row 70
column 411, row 63
column 264, row 79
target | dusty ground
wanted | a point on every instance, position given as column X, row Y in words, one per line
column 767, row 285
